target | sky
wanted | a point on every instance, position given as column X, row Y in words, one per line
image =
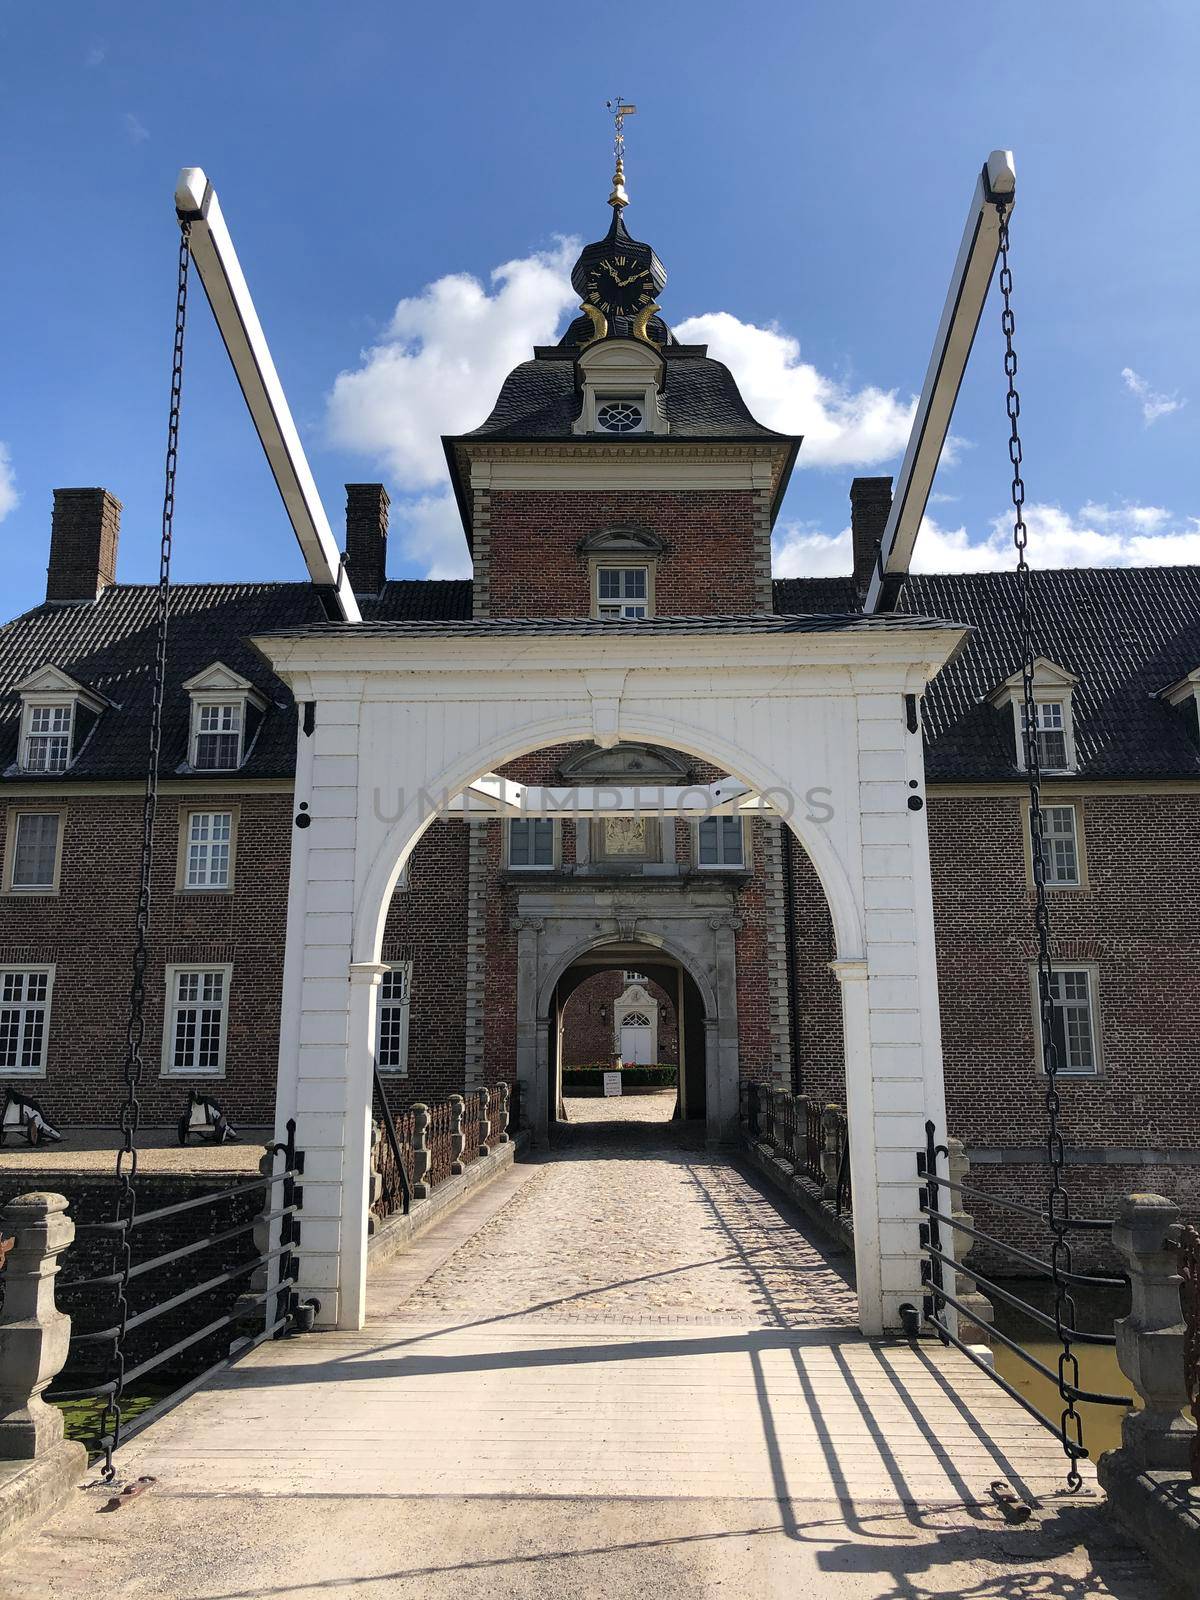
column 407, row 186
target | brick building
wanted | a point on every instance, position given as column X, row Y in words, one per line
column 618, row 475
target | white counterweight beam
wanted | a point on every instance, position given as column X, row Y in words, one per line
column 229, row 296
column 956, row 333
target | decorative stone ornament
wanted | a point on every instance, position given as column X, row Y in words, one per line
column 1150, row 1339
column 34, row 1334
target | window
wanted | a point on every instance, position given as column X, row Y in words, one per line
column 620, row 416
column 197, row 1021
column 48, row 738
column 1051, row 734
column 391, row 1045
column 531, row 842
column 1060, row 847
column 633, row 977
column 1073, row 1021
column 622, row 592
column 207, row 850
column 24, row 1019
column 720, row 842
column 33, row 838
column 218, row 739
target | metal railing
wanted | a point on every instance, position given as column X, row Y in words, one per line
column 391, row 1163
column 274, row 1299
column 810, row 1135
column 1189, row 1272
column 940, row 1264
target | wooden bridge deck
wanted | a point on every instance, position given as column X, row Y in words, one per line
column 621, row 1369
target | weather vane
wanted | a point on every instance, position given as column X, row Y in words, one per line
column 620, row 110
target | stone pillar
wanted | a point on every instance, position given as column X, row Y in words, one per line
column 457, row 1140
column 421, row 1156
column 532, row 1050
column 34, row 1333
column 975, row 1323
column 485, row 1122
column 1150, row 1339
column 779, row 1127
column 503, row 1102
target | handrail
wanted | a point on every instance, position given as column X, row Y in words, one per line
column 389, row 1128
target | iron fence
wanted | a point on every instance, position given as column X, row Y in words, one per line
column 813, row 1142
column 392, row 1157
column 940, row 1264
column 472, row 1121
column 440, row 1135
column 268, row 1306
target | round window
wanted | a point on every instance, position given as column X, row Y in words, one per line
column 620, row 416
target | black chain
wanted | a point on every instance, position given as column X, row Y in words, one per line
column 131, row 1110
column 1059, row 1209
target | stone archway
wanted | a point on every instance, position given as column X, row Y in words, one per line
column 817, row 715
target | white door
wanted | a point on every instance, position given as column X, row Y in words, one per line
column 635, row 1039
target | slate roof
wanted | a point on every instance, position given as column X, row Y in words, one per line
column 1126, row 633
column 109, row 647
column 539, row 400
column 653, row 627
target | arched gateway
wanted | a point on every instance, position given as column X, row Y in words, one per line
column 817, row 717
column 618, row 505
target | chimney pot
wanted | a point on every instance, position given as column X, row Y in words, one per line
column 870, row 503
column 366, row 536
column 84, row 531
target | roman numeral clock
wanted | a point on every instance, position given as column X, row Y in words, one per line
column 619, row 280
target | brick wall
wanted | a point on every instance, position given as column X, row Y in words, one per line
column 1137, row 922
column 535, row 569
column 86, row 931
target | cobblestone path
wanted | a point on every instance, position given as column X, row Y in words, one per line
column 631, row 1221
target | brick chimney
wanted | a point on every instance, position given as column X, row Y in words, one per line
column 870, row 502
column 84, row 531
column 366, row 536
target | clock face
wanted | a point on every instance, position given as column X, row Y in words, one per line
column 619, row 284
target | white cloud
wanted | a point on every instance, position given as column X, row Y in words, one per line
column 9, row 496
column 1154, row 404
column 800, row 550
column 842, row 426
column 95, row 56
column 1095, row 536
column 430, row 531
column 135, row 131
column 438, row 369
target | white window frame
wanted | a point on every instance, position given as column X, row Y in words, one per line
column 1091, row 973
column 183, row 884
column 25, row 1006
column 12, row 826
column 633, row 607
column 636, row 400
column 173, row 1005
column 217, row 702
column 32, row 707
column 1044, row 702
column 383, row 1009
column 540, row 866
column 1052, row 879
column 721, row 865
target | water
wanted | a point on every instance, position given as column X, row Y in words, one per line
column 1096, row 1310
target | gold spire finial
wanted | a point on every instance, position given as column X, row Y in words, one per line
column 619, row 199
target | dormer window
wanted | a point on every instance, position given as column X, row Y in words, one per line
column 57, row 714
column 48, row 740
column 1186, row 694
column 622, row 592
column 620, row 416
column 622, row 560
column 1050, row 730
column 218, row 743
column 621, row 381
column 1054, row 728
column 226, row 709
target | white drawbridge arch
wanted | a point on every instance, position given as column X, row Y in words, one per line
column 818, row 716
